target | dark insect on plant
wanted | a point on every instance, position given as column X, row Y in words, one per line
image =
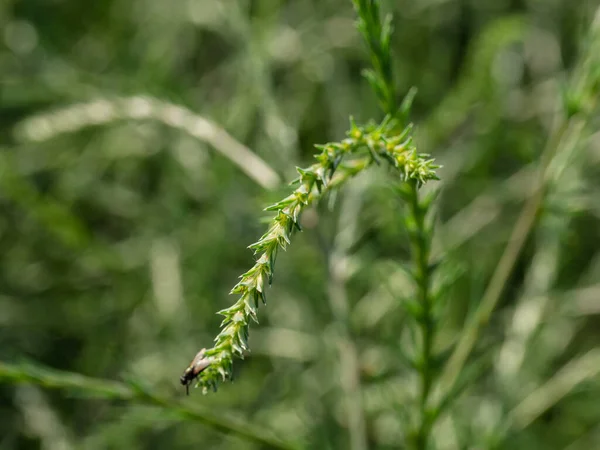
column 198, row 364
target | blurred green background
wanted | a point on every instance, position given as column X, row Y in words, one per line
column 139, row 142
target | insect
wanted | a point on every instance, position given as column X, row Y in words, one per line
column 199, row 363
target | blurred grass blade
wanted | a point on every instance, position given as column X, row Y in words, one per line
column 136, row 392
column 71, row 119
column 550, row 393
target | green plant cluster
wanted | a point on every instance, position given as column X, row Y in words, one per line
column 137, row 142
column 372, row 143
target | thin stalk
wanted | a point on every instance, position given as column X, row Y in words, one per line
column 377, row 35
column 114, row 390
column 421, row 247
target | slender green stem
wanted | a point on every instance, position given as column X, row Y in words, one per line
column 421, row 258
column 421, row 247
column 377, row 34
column 114, row 390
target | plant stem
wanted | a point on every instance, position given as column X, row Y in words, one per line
column 421, row 248
column 377, row 34
column 111, row 390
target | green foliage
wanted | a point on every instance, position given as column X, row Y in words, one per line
column 139, row 141
column 378, row 142
column 133, row 391
column 377, row 35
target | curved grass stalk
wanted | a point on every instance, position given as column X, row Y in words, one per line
column 544, row 397
column 103, row 111
column 336, row 163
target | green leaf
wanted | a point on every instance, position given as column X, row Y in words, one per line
column 406, row 105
